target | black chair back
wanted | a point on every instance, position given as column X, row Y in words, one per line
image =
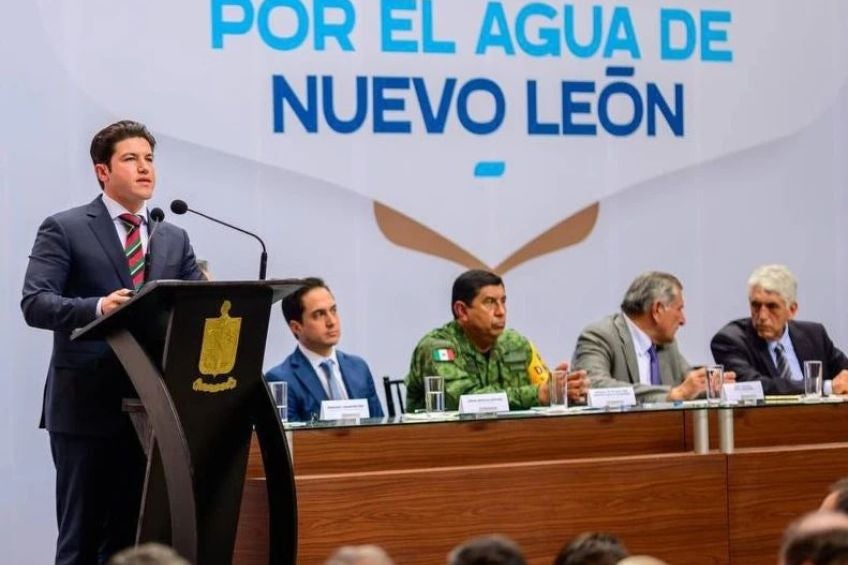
column 394, row 393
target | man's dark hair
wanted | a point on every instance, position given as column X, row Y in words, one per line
column 828, row 547
column 592, row 549
column 103, row 142
column 487, row 550
column 292, row 304
column 467, row 286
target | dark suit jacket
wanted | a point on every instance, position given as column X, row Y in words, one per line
column 77, row 258
column 738, row 347
column 305, row 392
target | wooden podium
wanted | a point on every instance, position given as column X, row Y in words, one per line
column 194, row 352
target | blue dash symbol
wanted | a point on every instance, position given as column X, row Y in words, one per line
column 489, row 169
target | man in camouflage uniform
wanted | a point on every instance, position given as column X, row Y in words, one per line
column 475, row 353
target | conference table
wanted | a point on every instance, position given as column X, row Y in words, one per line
column 418, row 486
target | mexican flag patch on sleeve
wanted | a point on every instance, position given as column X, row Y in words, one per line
column 444, row 354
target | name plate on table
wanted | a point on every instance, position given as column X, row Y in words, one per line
column 486, row 403
column 616, row 397
column 751, row 391
column 345, row 409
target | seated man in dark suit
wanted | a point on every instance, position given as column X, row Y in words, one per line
column 770, row 346
column 316, row 370
column 637, row 346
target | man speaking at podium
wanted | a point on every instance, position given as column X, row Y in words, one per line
column 86, row 262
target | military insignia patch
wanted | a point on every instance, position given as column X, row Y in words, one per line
column 537, row 371
column 444, row 354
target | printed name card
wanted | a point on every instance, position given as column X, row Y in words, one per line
column 483, row 403
column 611, row 397
column 749, row 391
column 345, row 409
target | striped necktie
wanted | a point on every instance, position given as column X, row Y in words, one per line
column 332, row 383
column 782, row 366
column 132, row 248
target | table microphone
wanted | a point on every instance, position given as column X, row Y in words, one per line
column 179, row 207
column 155, row 218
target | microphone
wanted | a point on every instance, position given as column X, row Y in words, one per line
column 155, row 218
column 179, row 207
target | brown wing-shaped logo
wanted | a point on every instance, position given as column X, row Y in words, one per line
column 406, row 232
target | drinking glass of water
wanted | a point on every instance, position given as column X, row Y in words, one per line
column 813, row 379
column 280, row 392
column 434, row 394
column 558, row 389
column 715, row 378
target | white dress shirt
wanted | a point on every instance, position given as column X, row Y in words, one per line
column 315, row 360
column 641, row 343
column 116, row 210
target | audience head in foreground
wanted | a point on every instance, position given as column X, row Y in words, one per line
column 641, row 560
column 360, row 555
column 487, row 550
column 148, row 554
column 837, row 499
column 592, row 549
column 819, row 538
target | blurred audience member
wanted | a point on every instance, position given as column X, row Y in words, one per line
column 819, row 538
column 487, row 550
column 592, row 549
column 148, row 554
column 360, row 555
column 837, row 499
column 641, row 560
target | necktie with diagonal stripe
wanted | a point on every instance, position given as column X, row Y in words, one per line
column 132, row 248
column 782, row 365
column 332, row 384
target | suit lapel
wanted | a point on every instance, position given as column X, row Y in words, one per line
column 804, row 348
column 629, row 350
column 158, row 252
column 104, row 230
column 302, row 369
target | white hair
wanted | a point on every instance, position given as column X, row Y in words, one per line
column 777, row 279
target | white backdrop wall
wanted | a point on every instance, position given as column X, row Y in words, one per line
column 758, row 175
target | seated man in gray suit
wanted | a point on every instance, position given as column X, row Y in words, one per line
column 316, row 370
column 636, row 347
